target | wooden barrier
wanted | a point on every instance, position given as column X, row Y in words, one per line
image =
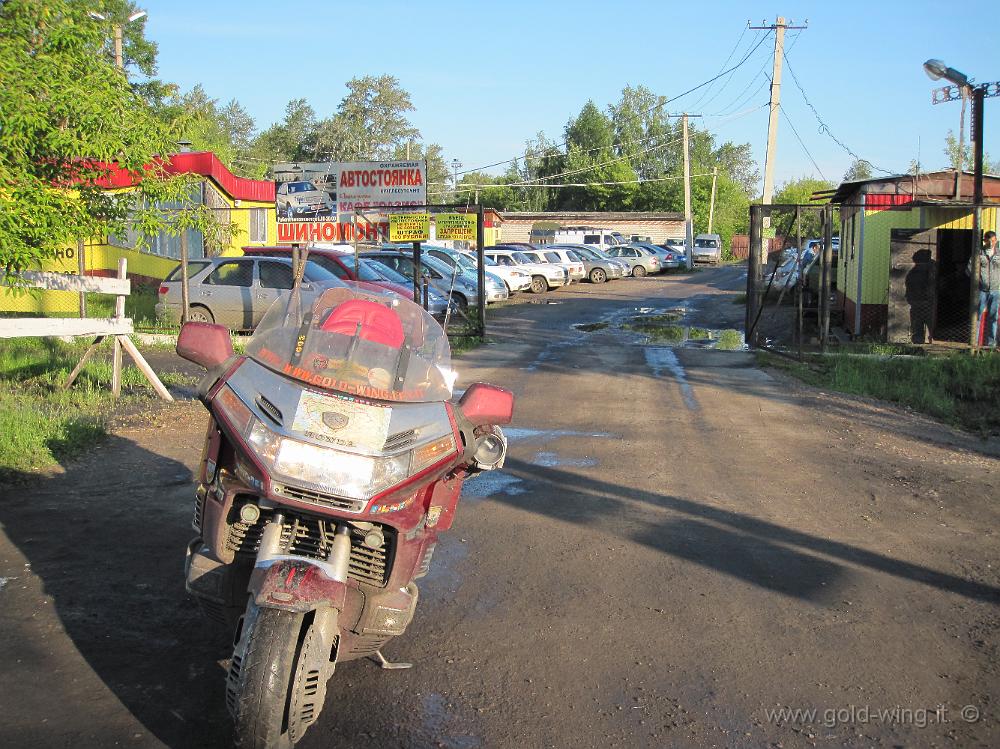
column 118, row 328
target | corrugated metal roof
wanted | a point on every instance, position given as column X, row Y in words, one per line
column 206, row 164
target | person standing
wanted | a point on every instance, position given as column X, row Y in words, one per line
column 989, row 289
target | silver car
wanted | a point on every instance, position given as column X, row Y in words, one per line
column 641, row 260
column 668, row 258
column 707, row 249
column 233, row 291
column 302, row 200
column 444, row 278
column 597, row 267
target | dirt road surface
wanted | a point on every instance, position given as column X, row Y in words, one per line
column 679, row 547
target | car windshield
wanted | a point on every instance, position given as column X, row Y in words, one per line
column 706, row 243
column 301, row 187
column 383, row 272
column 572, row 255
column 356, row 342
column 521, row 258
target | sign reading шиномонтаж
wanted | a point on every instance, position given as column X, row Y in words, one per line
column 409, row 227
column 457, row 226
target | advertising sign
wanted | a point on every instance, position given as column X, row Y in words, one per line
column 457, row 226
column 409, row 227
column 315, row 202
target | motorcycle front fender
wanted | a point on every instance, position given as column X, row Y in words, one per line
column 295, row 584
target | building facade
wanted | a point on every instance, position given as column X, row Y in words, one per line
column 522, row 226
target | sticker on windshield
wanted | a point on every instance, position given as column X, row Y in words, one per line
column 342, row 421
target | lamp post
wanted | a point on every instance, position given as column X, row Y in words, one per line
column 116, row 31
column 962, row 86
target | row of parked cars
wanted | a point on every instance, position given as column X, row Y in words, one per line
column 237, row 291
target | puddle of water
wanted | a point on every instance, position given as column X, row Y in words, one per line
column 521, row 433
column 552, row 460
column 490, row 483
column 660, row 359
column 590, row 327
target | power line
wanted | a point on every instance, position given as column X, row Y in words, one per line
column 732, row 52
column 470, row 188
column 823, row 127
column 799, row 139
column 645, row 111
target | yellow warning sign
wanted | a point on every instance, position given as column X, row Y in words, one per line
column 458, row 226
column 409, row 227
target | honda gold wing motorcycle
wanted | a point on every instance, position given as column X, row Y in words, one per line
column 333, row 459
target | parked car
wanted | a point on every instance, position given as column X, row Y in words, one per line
column 667, row 258
column 544, row 276
column 597, row 267
column 567, row 258
column 588, row 235
column 443, row 278
column 538, row 257
column 302, row 200
column 641, row 261
column 707, row 249
column 514, row 280
column 233, row 291
column 786, row 276
column 372, row 276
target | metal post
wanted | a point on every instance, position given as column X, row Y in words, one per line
column 425, row 292
column 800, row 280
column 481, row 269
column 416, row 272
column 82, row 269
column 185, row 299
column 978, row 94
column 824, row 330
column 753, row 271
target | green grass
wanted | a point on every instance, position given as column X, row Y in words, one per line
column 740, row 299
column 730, row 340
column 959, row 389
column 590, row 327
column 140, row 305
column 41, row 424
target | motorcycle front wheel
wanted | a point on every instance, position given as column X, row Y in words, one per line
column 260, row 678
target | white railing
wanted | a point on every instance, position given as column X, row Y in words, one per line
column 118, row 328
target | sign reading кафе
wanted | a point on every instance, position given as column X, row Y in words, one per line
column 315, row 202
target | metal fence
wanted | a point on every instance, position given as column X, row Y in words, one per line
column 791, row 286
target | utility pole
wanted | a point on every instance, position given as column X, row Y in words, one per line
column 779, row 27
column 116, row 33
column 688, row 232
column 711, row 205
column 455, row 166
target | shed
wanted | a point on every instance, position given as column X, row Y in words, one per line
column 905, row 243
column 528, row 226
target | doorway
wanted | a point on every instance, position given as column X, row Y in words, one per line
column 954, row 247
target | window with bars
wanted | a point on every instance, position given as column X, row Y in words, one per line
column 258, row 225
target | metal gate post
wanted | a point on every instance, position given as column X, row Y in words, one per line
column 416, row 272
column 824, row 331
column 800, row 281
column 753, row 272
column 481, row 270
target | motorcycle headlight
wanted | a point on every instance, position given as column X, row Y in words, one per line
column 340, row 473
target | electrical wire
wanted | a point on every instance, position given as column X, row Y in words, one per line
column 732, row 52
column 472, row 188
column 799, row 139
column 645, row 111
column 823, row 127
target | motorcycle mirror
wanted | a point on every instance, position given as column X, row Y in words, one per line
column 204, row 344
column 487, row 404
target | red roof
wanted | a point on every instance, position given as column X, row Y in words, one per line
column 206, row 164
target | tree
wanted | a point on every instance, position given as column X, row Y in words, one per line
column 799, row 192
column 859, row 170
column 69, row 120
column 437, row 169
column 962, row 158
column 294, row 138
column 370, row 124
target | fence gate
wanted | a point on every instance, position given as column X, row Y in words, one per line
column 912, row 309
column 791, row 285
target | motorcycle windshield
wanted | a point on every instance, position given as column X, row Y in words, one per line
column 353, row 341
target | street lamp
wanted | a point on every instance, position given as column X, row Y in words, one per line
column 116, row 30
column 936, row 70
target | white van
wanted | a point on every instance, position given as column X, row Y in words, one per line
column 707, row 249
column 602, row 239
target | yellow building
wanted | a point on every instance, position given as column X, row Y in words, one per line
column 247, row 203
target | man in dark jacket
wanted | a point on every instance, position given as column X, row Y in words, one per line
column 989, row 288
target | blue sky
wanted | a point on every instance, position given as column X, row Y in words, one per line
column 485, row 77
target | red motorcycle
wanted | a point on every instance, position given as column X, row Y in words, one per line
column 334, row 457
